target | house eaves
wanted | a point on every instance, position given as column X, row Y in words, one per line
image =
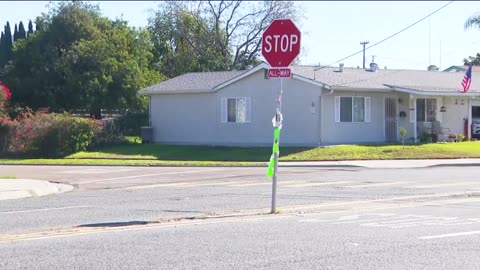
column 360, row 89
column 307, row 80
column 176, row 91
column 432, row 93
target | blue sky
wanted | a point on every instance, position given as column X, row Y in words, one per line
column 333, row 30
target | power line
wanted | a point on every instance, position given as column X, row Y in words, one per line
column 387, row 38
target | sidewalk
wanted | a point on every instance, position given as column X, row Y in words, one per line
column 24, row 188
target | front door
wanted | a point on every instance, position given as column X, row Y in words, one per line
column 390, row 119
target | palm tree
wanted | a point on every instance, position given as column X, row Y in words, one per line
column 473, row 21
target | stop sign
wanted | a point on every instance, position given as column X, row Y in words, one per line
column 281, row 43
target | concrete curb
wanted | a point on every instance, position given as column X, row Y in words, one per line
column 25, row 188
column 373, row 164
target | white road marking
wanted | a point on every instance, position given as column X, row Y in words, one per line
column 315, row 184
column 449, row 235
column 146, row 175
column 402, row 219
column 375, row 185
column 264, row 184
column 446, row 185
column 182, row 184
column 373, row 220
column 93, row 171
column 43, row 209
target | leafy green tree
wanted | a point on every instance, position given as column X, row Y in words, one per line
column 3, row 50
column 21, row 31
column 15, row 33
column 183, row 42
column 79, row 59
column 6, row 46
column 30, row 28
column 9, row 42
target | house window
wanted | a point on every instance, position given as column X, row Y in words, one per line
column 352, row 109
column 236, row 110
column 426, row 109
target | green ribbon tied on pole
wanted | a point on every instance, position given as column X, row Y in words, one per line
column 276, row 149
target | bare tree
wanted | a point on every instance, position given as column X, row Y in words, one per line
column 239, row 26
column 234, row 28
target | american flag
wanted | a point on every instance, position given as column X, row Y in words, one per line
column 467, row 79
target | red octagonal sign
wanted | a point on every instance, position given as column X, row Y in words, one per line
column 281, row 43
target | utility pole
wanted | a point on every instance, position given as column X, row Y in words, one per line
column 364, row 43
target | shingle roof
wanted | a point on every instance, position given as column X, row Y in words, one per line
column 461, row 69
column 193, row 82
column 414, row 79
column 349, row 78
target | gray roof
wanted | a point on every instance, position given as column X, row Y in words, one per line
column 349, row 78
column 420, row 80
column 193, row 82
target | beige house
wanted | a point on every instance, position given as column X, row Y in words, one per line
column 320, row 106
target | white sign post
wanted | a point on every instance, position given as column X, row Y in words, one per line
column 280, row 46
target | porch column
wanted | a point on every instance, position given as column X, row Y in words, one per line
column 413, row 115
column 469, row 127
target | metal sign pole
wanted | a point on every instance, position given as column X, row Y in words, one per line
column 276, row 152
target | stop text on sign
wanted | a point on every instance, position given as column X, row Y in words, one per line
column 283, row 43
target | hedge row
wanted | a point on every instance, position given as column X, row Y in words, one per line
column 49, row 135
column 43, row 134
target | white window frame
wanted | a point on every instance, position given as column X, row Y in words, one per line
column 366, row 113
column 224, row 110
column 436, row 115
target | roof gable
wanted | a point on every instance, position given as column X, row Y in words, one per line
column 192, row 82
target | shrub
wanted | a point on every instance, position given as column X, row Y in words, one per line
column 42, row 134
column 5, row 95
column 109, row 134
column 68, row 135
column 129, row 124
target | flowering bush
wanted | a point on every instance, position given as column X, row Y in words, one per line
column 43, row 134
column 5, row 96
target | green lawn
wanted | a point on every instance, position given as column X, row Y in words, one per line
column 342, row 152
column 7, row 177
column 154, row 154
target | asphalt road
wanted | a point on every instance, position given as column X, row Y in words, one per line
column 205, row 218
